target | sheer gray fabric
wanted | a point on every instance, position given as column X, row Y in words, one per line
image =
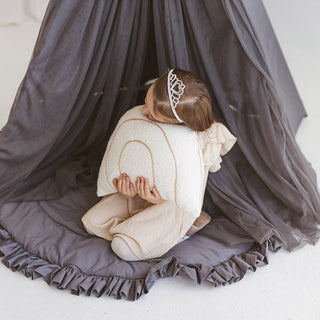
column 88, row 67
column 266, row 183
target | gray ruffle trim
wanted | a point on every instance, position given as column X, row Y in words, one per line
column 71, row 277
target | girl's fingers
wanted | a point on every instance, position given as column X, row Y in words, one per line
column 146, row 187
column 120, row 182
column 126, row 180
column 115, row 182
column 128, row 184
column 155, row 192
column 142, row 187
column 124, row 184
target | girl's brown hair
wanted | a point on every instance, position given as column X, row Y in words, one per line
column 194, row 108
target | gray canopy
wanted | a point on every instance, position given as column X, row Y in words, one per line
column 88, row 67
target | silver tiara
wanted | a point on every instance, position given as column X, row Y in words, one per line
column 175, row 91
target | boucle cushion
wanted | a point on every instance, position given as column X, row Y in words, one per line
column 168, row 155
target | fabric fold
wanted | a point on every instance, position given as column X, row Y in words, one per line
column 215, row 142
column 70, row 277
column 90, row 60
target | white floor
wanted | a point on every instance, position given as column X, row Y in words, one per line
column 288, row 288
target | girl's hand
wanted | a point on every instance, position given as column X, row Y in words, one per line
column 142, row 186
column 124, row 185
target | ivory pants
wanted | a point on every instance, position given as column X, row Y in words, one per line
column 149, row 230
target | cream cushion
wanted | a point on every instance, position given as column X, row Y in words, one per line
column 168, row 155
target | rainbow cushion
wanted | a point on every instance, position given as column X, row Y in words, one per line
column 169, row 155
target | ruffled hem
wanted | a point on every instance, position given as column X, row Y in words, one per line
column 215, row 142
column 71, row 277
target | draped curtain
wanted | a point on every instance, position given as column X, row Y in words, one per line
column 89, row 63
column 265, row 179
column 69, row 97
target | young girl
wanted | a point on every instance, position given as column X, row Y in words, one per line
column 141, row 225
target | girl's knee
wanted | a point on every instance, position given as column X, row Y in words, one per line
column 85, row 224
column 122, row 250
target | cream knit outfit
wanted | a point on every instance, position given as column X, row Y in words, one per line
column 151, row 230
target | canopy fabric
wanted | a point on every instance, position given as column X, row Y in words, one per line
column 88, row 67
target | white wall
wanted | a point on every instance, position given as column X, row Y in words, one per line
column 18, row 11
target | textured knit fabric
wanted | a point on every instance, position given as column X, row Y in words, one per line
column 160, row 152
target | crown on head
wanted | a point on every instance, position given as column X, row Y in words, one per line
column 175, row 91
